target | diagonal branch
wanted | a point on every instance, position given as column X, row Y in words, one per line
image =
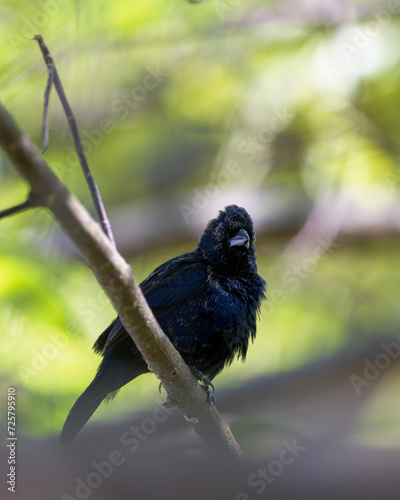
column 94, row 191
column 115, row 277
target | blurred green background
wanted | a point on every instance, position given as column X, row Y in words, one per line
column 289, row 109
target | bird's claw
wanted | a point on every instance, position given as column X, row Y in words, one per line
column 206, row 385
column 210, row 399
column 170, row 403
column 202, row 378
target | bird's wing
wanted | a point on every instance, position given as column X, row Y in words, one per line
column 178, row 280
column 169, row 285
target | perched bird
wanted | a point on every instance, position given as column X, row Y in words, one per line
column 205, row 301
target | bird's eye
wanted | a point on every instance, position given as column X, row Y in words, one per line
column 220, row 234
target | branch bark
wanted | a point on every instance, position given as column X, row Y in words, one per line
column 115, row 277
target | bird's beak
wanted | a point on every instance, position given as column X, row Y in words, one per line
column 240, row 239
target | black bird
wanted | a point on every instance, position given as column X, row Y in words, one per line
column 205, row 301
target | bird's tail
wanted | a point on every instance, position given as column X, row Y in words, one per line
column 108, row 380
column 83, row 409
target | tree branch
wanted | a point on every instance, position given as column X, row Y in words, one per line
column 54, row 78
column 115, row 277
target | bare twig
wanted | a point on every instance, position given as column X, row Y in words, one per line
column 45, row 134
column 94, row 191
column 115, row 277
column 26, row 205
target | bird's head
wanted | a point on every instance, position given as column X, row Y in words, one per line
column 228, row 240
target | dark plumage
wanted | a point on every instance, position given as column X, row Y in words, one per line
column 206, row 302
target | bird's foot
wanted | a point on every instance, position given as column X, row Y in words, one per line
column 206, row 385
column 210, row 399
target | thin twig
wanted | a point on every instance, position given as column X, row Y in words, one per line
column 94, row 191
column 50, row 81
column 26, row 205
